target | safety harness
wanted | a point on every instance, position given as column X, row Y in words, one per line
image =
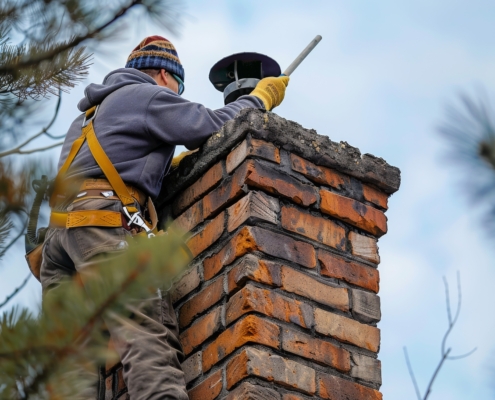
column 113, row 187
column 126, row 194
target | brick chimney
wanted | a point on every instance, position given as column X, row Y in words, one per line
column 280, row 301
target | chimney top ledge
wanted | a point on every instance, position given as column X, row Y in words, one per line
column 287, row 135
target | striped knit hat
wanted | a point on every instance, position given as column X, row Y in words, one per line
column 156, row 52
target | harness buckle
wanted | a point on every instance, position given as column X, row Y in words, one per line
column 136, row 219
column 88, row 120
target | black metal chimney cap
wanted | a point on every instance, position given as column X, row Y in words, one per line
column 249, row 65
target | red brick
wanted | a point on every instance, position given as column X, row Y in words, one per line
column 278, row 183
column 248, row 391
column 189, row 219
column 250, row 239
column 185, row 284
column 242, row 243
column 296, row 282
column 251, row 329
column 200, row 302
column 347, row 330
column 366, row 368
column 349, row 271
column 209, row 389
column 254, row 207
column 364, row 247
column 229, row 191
column 273, row 368
column 316, row 228
column 254, row 269
column 253, row 299
column 192, row 367
column 292, row 396
column 198, row 188
column 316, row 349
column 323, row 175
column 365, row 306
column 375, row 196
column 252, row 147
column 281, row 246
column 354, row 212
column 207, row 236
column 201, row 330
column 335, row 388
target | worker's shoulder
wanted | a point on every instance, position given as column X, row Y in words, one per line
column 151, row 92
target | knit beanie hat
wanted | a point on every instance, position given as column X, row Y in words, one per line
column 156, row 52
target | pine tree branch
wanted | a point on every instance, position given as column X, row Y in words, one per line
column 30, row 350
column 17, row 290
column 45, row 78
column 14, row 67
column 81, row 336
column 142, row 264
column 6, row 248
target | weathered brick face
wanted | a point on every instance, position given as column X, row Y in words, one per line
column 280, row 301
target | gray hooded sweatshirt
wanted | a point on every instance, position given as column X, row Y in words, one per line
column 139, row 124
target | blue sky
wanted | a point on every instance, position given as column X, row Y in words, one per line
column 379, row 80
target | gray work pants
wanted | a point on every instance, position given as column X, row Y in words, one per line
column 150, row 350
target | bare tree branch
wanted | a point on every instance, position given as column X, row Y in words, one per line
column 411, row 374
column 17, row 290
column 55, row 137
column 437, row 370
column 453, row 321
column 38, row 149
column 18, row 149
column 444, row 353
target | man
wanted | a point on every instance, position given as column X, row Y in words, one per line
column 140, row 119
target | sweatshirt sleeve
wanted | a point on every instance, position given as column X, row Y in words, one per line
column 177, row 121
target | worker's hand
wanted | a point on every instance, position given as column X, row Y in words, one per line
column 271, row 91
column 177, row 159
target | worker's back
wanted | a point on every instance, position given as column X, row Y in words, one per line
column 138, row 125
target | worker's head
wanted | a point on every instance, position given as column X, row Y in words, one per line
column 157, row 57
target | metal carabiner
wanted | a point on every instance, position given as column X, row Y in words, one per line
column 136, row 219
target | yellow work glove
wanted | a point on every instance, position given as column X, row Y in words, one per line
column 271, row 91
column 177, row 159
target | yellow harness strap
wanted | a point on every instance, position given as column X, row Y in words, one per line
column 76, row 146
column 74, row 219
column 108, row 169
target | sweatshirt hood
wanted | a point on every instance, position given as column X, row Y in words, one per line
column 95, row 93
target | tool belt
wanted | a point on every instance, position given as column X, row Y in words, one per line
column 112, row 188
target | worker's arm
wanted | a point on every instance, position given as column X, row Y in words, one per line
column 178, row 121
